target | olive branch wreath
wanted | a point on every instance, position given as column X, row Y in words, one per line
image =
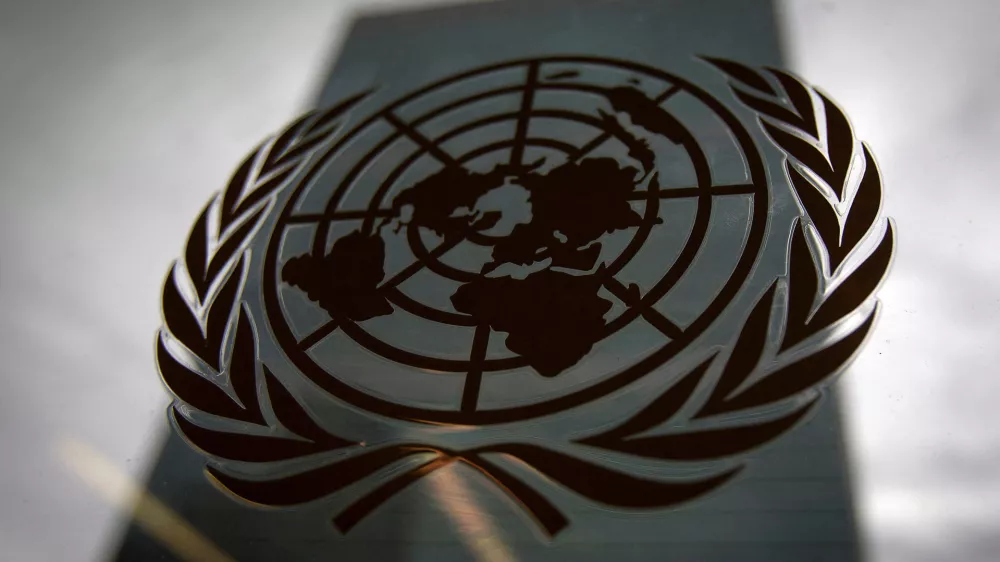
column 824, row 292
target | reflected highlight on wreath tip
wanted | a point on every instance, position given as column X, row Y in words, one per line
column 477, row 528
column 134, row 501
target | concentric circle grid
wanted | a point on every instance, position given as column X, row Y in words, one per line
column 478, row 363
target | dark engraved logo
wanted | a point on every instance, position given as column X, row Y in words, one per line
column 537, row 286
column 546, row 222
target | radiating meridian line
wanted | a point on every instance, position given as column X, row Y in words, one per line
column 734, row 189
column 474, row 380
column 651, row 315
column 527, row 101
column 409, row 271
column 416, row 266
column 338, row 216
column 667, row 94
column 603, row 137
column 317, row 335
column 420, row 139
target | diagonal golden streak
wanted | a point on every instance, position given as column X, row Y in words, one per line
column 151, row 514
column 474, row 525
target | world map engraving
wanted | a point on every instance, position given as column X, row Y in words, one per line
column 535, row 240
column 552, row 314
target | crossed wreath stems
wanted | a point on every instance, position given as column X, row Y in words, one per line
column 821, row 293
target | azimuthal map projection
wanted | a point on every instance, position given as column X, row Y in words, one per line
column 528, row 191
column 509, row 244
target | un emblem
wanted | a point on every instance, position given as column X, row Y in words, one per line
column 514, row 243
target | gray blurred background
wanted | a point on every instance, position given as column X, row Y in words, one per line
column 119, row 118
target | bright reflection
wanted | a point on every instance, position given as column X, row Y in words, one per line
column 118, row 489
column 474, row 525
